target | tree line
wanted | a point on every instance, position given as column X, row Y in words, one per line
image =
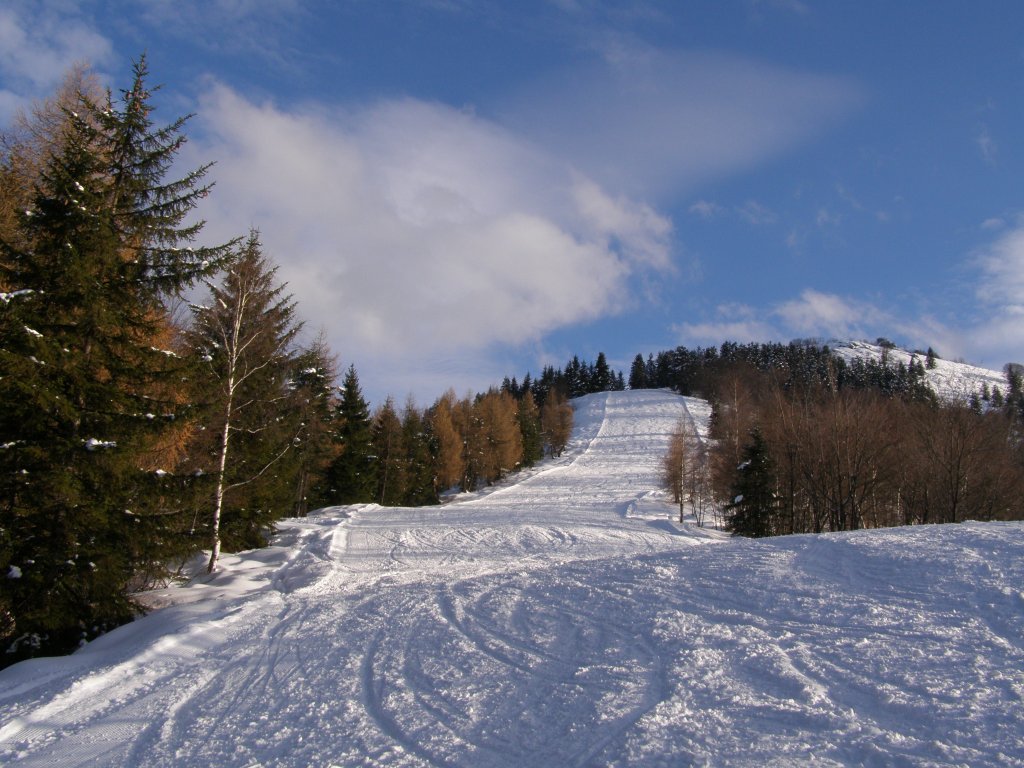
column 138, row 428
column 803, row 442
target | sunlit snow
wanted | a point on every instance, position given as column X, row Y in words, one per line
column 564, row 620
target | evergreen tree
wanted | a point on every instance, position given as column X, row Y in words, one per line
column 244, row 336
column 352, row 476
column 755, row 505
column 313, row 397
column 87, row 396
column 419, row 465
column 390, row 456
column 638, row 373
column 603, row 377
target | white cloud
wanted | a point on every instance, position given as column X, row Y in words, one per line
column 733, row 322
column 705, row 209
column 987, row 145
column 991, row 338
column 826, row 314
column 756, row 214
column 825, row 218
column 659, row 122
column 1001, row 283
column 995, row 336
column 415, row 232
column 38, row 44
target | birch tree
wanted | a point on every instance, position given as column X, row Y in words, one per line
column 244, row 338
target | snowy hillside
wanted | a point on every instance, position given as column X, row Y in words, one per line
column 565, row 620
column 950, row 380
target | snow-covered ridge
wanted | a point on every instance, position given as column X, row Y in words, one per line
column 564, row 620
column 950, row 380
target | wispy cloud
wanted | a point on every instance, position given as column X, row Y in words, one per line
column 816, row 313
column 731, row 322
column 826, row 218
column 757, row 214
column 990, row 336
column 759, row 7
column 986, row 145
column 1001, row 283
column 657, row 122
column 706, row 209
column 38, row 44
column 417, row 232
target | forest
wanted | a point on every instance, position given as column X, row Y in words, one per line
column 138, row 428
column 140, row 425
column 804, row 442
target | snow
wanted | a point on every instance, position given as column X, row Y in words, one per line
column 564, row 620
column 93, row 444
column 951, row 380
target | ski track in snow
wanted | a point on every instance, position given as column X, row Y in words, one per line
column 565, row 620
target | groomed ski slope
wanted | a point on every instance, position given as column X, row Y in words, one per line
column 565, row 620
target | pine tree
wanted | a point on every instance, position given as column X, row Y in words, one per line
column 244, row 336
column 603, row 377
column 313, row 397
column 638, row 373
column 352, row 476
column 86, row 396
column 755, row 505
column 390, row 456
column 419, row 465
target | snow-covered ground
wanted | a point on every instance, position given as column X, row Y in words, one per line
column 949, row 379
column 564, row 620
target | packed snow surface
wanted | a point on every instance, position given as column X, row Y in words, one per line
column 565, row 620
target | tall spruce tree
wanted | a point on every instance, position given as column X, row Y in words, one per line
column 603, row 379
column 352, row 476
column 638, row 373
column 419, row 469
column 313, row 394
column 244, row 336
column 389, row 455
column 86, row 392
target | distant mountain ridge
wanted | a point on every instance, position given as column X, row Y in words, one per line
column 950, row 380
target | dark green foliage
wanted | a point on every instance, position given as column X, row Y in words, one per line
column 578, row 378
column 638, row 373
column 800, row 366
column 419, row 467
column 754, row 506
column 86, row 394
column 352, row 476
column 313, row 395
column 244, row 338
column 390, row 456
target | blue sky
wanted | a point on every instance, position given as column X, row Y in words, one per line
column 456, row 190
